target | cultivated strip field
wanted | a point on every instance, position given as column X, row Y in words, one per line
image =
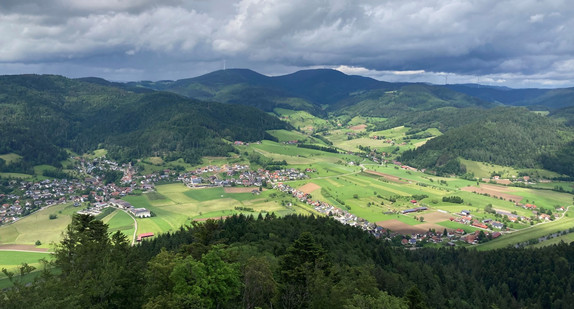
column 494, row 191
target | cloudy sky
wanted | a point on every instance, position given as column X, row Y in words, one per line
column 515, row 43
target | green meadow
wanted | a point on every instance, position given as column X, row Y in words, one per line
column 302, row 119
column 285, row 136
column 181, row 205
column 119, row 220
column 10, row 157
column 38, row 226
column 11, row 260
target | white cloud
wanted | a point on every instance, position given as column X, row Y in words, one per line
column 406, row 39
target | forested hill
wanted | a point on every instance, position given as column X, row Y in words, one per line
column 304, row 90
column 405, row 101
column 316, row 91
column 42, row 115
column 505, row 136
column 290, row 262
column 535, row 99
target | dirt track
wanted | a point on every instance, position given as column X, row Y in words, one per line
column 22, row 248
column 386, row 176
column 240, row 189
column 403, row 228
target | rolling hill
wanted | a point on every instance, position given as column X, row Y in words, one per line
column 504, row 135
column 43, row 115
column 535, row 99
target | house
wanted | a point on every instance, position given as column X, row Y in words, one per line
column 465, row 212
column 497, row 225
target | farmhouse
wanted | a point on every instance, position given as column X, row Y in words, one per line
column 144, row 235
column 411, row 210
column 140, row 212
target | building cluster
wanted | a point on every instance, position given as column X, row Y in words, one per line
column 233, row 175
column 29, row 196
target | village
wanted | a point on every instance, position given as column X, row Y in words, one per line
column 97, row 193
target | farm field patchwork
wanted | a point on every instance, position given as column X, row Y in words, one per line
column 377, row 195
column 183, row 205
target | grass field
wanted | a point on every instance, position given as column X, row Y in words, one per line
column 285, row 136
column 120, row 221
column 10, row 158
column 16, row 175
column 11, row 260
column 38, row 226
column 302, row 119
column 181, row 205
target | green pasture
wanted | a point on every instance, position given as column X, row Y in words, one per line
column 155, row 164
column 484, row 170
column 203, row 195
column 302, row 119
column 526, row 234
column 38, row 226
column 98, row 153
column 10, row 158
column 16, row 175
column 293, row 154
column 11, row 260
column 455, row 225
column 395, row 133
column 181, row 205
column 285, row 136
column 353, row 144
column 120, row 221
column 552, row 185
column 219, row 161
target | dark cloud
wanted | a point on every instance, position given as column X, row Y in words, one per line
column 512, row 42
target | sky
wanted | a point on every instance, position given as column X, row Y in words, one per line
column 513, row 43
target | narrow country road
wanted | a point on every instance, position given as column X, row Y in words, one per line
column 135, row 226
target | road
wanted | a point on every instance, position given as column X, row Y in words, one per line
column 135, row 226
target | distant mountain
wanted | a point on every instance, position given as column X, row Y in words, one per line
column 324, row 90
column 537, row 99
column 316, row 91
column 309, row 90
column 43, row 115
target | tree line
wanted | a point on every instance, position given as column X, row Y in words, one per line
column 289, row 262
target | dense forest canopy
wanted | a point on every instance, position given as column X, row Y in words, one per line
column 43, row 115
column 290, row 262
column 503, row 135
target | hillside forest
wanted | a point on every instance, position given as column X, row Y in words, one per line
column 289, row 262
